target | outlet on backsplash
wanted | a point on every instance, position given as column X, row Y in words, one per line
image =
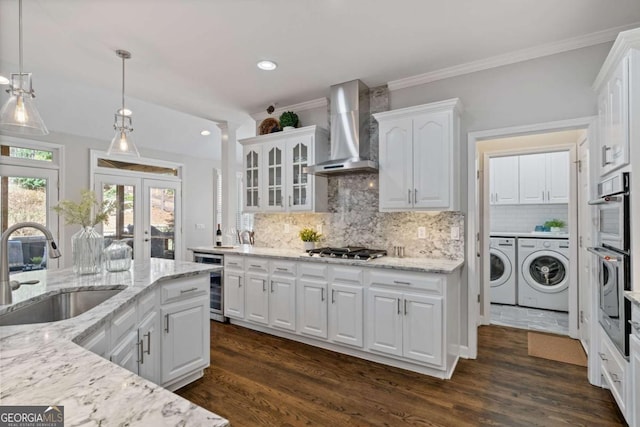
column 319, row 228
column 455, row 233
column 286, row 228
column 422, row 232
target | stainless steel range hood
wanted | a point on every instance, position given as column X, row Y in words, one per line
column 350, row 149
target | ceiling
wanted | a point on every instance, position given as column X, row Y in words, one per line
column 199, row 56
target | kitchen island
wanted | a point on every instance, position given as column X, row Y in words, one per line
column 41, row 364
column 402, row 312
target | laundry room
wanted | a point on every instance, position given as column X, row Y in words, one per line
column 530, row 222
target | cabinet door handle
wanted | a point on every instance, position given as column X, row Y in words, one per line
column 605, row 162
column 148, row 335
column 543, row 196
column 289, row 201
column 602, row 356
column 409, row 196
column 140, row 345
column 398, row 305
column 239, row 281
column 184, row 291
column 398, row 282
column 166, row 329
column 321, row 294
column 405, row 307
column 333, row 299
column 256, row 266
column 264, row 285
column 272, row 286
column 415, row 195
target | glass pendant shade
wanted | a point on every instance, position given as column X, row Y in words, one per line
column 19, row 114
column 121, row 143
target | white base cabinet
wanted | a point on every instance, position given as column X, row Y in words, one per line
column 170, row 354
column 234, row 296
column 395, row 317
column 634, row 364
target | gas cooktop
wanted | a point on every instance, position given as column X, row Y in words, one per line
column 348, row 252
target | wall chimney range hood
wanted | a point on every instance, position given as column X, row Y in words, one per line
column 350, row 149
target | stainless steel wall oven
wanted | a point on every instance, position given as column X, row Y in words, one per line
column 216, row 310
column 613, row 258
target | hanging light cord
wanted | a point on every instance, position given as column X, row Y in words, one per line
column 122, row 111
column 20, row 35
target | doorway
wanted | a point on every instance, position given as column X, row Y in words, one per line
column 478, row 201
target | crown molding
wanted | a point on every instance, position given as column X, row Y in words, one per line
column 308, row 105
column 625, row 41
column 512, row 57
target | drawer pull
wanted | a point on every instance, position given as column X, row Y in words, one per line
column 282, row 269
column 615, row 378
column 398, row 282
column 256, row 266
column 184, row 291
column 602, row 356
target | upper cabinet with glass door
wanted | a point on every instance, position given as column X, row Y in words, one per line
column 274, row 177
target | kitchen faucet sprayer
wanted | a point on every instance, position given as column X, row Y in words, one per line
column 5, row 283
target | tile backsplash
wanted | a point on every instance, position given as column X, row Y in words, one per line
column 353, row 219
column 524, row 218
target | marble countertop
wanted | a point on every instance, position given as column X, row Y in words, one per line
column 532, row 234
column 425, row 265
column 41, row 365
column 634, row 297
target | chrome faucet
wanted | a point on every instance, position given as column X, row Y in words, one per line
column 5, row 283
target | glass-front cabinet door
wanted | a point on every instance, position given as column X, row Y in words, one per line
column 252, row 157
column 299, row 156
column 274, row 178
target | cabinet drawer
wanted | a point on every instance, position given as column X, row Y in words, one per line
column 613, row 370
column 283, row 268
column 395, row 278
column 635, row 321
column 351, row 275
column 185, row 288
column 309, row 270
column 234, row 262
column 256, row 265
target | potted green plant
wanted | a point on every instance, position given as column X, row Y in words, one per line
column 288, row 120
column 309, row 237
column 87, row 244
column 555, row 225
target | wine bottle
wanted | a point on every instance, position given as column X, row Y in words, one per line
column 218, row 236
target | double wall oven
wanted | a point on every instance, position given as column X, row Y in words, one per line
column 613, row 254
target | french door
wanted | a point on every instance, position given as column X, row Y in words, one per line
column 148, row 216
column 27, row 195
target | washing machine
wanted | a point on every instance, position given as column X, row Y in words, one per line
column 502, row 273
column 543, row 277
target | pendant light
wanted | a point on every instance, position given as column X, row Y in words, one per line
column 19, row 114
column 123, row 125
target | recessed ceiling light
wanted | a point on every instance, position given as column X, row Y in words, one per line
column 125, row 112
column 267, row 65
column 4, row 80
column 205, row 133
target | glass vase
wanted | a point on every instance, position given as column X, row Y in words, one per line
column 87, row 246
column 117, row 256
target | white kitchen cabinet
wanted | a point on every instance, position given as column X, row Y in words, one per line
column 613, row 115
column 312, row 299
column 149, row 347
column 125, row 353
column 252, row 160
column 405, row 324
column 346, row 305
column 634, row 364
column 544, row 178
column 274, row 177
column 418, row 157
column 234, row 296
column 282, row 302
column 613, row 369
column 256, row 278
column 504, row 180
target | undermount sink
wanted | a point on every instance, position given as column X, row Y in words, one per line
column 57, row 307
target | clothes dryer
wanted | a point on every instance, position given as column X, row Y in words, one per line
column 543, row 277
column 502, row 274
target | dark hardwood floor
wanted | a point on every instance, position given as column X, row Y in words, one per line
column 260, row 380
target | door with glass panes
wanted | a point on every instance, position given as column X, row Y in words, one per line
column 252, row 155
column 274, row 177
column 148, row 216
column 299, row 156
column 27, row 195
